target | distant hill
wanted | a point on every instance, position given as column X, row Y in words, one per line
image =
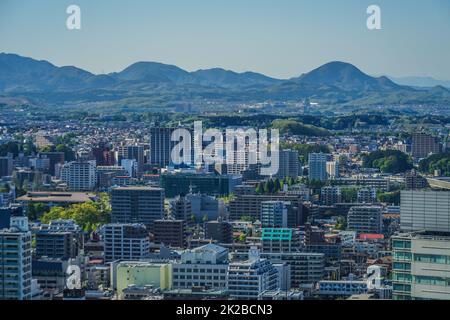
column 345, row 76
column 426, row 82
column 333, row 83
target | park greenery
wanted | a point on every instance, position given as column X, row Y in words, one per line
column 388, row 161
column 436, row 162
column 89, row 215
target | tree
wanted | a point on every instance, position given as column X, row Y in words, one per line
column 388, row 161
column 89, row 216
column 349, row 195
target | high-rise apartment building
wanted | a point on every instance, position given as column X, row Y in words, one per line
column 274, row 214
column 15, row 261
column 80, row 175
column 288, row 164
column 330, row 195
column 317, row 163
column 365, row 219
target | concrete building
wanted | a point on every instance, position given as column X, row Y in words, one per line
column 250, row 206
column 248, row 280
column 306, row 268
column 333, row 169
column 177, row 183
column 181, row 208
column 274, row 214
column 424, row 145
column 61, row 239
column 171, row 233
column 132, row 152
column 220, row 231
column 158, row 275
column 365, row 219
column 288, row 164
column 421, row 267
column 367, row 195
column 276, row 240
column 137, row 205
column 15, row 261
column 342, row 288
column 317, row 163
column 205, row 266
column 6, row 166
column 425, row 210
column 161, row 146
column 330, row 195
column 125, row 241
column 55, row 158
column 79, row 175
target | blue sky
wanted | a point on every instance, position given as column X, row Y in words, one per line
column 281, row 38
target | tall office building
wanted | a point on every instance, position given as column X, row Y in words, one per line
column 79, row 175
column 248, row 280
column 161, row 146
column 425, row 210
column 274, row 214
column 205, row 266
column 365, row 219
column 125, row 241
column 137, row 205
column 288, row 164
column 6, row 166
column 317, row 166
column 423, row 145
column 15, row 261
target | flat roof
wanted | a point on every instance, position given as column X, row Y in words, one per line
column 57, row 196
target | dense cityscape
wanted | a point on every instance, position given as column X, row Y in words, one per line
column 224, row 158
column 356, row 213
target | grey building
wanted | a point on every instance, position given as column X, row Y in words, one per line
column 125, row 241
column 205, row 266
column 137, row 205
column 317, row 163
column 425, row 210
column 365, row 219
column 15, row 261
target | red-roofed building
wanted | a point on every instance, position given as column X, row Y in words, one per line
column 371, row 236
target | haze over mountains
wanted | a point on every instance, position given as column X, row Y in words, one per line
column 332, row 83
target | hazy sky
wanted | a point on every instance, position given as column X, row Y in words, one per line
column 281, row 38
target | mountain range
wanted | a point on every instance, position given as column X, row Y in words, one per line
column 41, row 82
